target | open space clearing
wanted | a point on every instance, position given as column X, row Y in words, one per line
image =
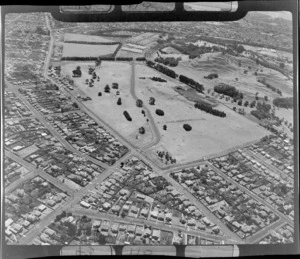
column 85, row 38
column 27, row 151
column 88, row 50
column 209, row 134
column 144, row 38
column 105, row 106
column 228, row 69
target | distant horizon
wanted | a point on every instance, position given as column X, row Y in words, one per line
column 211, row 6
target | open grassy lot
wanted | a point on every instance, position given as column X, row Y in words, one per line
column 209, row 134
column 105, row 106
column 228, row 69
column 87, row 50
column 85, row 38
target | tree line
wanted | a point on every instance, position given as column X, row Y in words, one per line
column 93, row 42
column 229, row 91
column 209, row 109
column 168, row 61
column 198, row 87
column 284, row 102
column 162, row 69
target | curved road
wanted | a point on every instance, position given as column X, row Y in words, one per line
column 153, row 127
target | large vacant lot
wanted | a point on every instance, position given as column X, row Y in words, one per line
column 229, row 71
column 85, row 38
column 88, row 50
column 209, row 135
column 105, row 106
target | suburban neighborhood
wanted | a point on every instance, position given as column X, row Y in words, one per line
column 171, row 133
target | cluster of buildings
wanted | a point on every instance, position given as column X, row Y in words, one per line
column 25, row 136
column 85, row 135
column 280, row 235
column 135, row 192
column 48, row 101
column 258, row 178
column 225, row 200
column 71, row 169
column 14, row 107
column 26, row 45
column 30, row 140
column 13, row 171
column 277, row 151
column 91, row 231
column 29, row 203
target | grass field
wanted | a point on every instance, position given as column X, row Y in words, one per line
column 105, row 107
column 228, row 70
column 209, row 134
column 85, row 38
column 87, row 50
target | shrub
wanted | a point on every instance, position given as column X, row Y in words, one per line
column 211, row 76
column 119, row 102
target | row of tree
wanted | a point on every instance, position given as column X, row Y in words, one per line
column 162, row 69
column 209, row 109
column 229, row 91
column 198, row 87
column 92, row 42
column 284, row 102
column 168, row 61
column 158, row 79
column 274, row 89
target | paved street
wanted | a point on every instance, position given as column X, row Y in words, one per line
column 114, row 218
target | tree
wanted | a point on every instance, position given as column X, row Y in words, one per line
column 159, row 112
column 107, row 89
column 187, row 127
column 139, row 103
column 101, row 239
column 99, row 94
column 127, row 116
column 252, row 104
column 142, row 130
column 234, row 108
column 246, row 103
column 119, row 102
column 266, row 98
column 75, row 105
column 240, row 102
column 281, row 65
column 152, row 101
column 165, row 127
